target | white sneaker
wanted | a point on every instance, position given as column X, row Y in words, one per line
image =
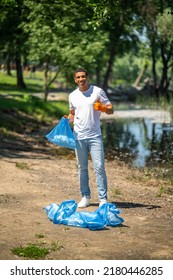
column 102, row 201
column 84, row 202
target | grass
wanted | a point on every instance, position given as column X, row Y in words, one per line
column 8, row 84
column 56, row 246
column 152, row 103
column 164, row 173
column 34, row 106
column 39, row 235
column 116, row 192
column 22, row 165
column 161, row 191
column 164, row 190
column 18, row 104
column 31, row 251
column 146, row 174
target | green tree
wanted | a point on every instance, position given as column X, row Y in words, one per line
column 151, row 12
column 61, row 37
column 119, row 20
column 165, row 35
column 13, row 15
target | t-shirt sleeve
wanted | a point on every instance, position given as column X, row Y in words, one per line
column 71, row 107
column 103, row 97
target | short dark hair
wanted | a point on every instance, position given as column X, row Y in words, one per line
column 80, row 69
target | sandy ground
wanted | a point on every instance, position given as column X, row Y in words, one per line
column 34, row 173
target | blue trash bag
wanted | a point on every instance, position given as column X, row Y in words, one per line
column 65, row 213
column 62, row 135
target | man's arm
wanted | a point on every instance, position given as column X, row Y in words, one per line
column 70, row 116
column 109, row 109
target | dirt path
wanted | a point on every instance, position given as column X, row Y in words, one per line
column 32, row 180
column 34, row 173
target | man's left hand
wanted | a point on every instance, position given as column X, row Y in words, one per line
column 98, row 106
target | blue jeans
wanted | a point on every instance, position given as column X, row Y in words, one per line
column 95, row 147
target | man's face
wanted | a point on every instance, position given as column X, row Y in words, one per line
column 81, row 80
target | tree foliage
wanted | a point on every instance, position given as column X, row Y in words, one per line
column 66, row 34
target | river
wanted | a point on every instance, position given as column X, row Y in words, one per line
column 138, row 137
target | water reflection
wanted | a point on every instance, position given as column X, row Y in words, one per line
column 139, row 142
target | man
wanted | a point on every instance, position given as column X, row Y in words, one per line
column 86, row 104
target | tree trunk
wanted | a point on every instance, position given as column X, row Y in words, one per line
column 46, row 81
column 153, row 55
column 8, row 66
column 20, row 82
column 164, row 82
column 140, row 76
column 109, row 68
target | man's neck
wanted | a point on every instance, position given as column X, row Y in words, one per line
column 85, row 88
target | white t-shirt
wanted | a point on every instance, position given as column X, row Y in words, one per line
column 87, row 120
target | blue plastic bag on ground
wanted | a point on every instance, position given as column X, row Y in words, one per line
column 65, row 213
column 62, row 135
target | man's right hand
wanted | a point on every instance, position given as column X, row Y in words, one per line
column 69, row 117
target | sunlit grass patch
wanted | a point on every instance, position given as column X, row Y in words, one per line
column 33, row 106
column 56, row 246
column 39, row 235
column 9, row 84
column 116, row 192
column 4, row 131
column 31, row 251
column 66, row 228
column 164, row 173
column 22, row 165
column 13, row 100
column 164, row 190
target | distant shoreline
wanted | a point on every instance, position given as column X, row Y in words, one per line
column 157, row 116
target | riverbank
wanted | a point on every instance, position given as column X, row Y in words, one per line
column 157, row 116
column 132, row 111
